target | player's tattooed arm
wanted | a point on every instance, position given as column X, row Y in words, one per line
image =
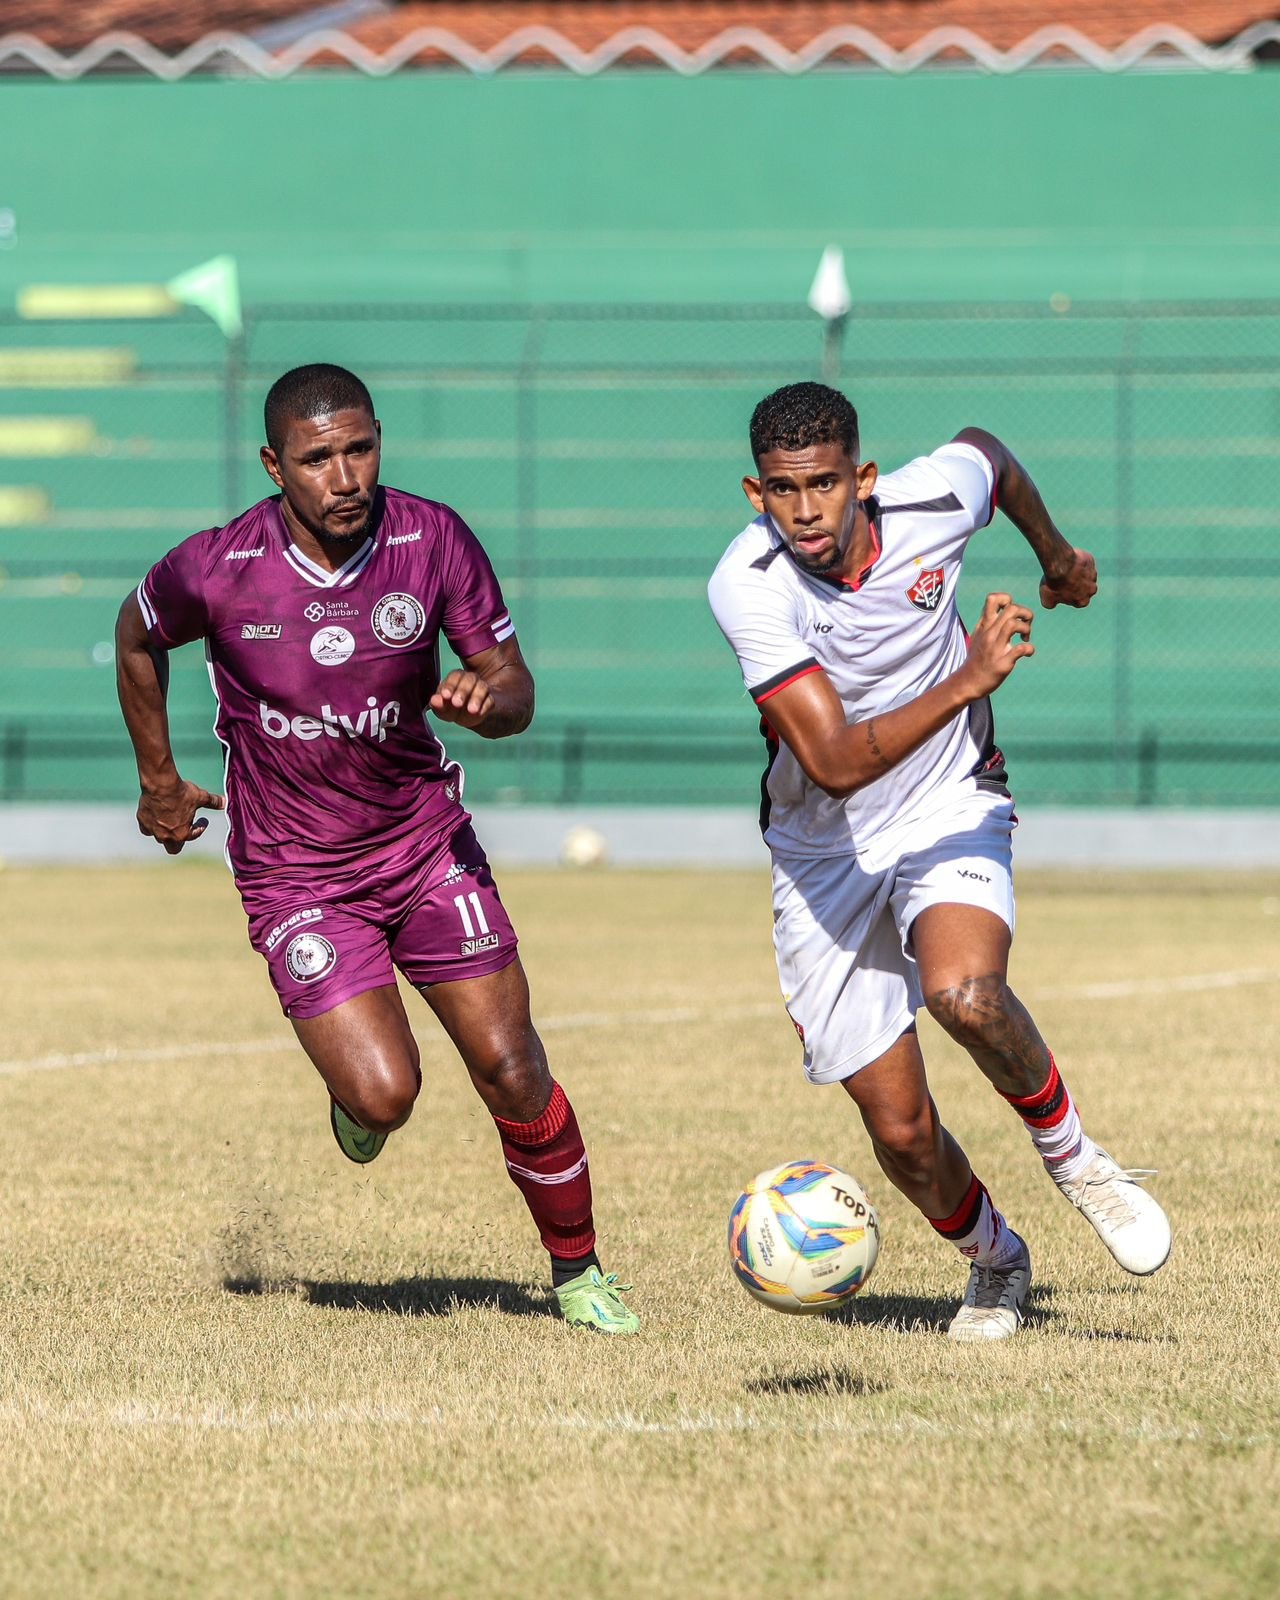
column 873, row 748
column 843, row 757
column 168, row 804
column 1070, row 575
column 491, row 693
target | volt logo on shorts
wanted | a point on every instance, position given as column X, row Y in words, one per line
column 298, row 919
column 372, row 723
column 978, row 877
column 309, row 956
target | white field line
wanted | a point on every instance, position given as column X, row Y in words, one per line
column 286, row 1041
column 1193, row 983
column 215, row 1418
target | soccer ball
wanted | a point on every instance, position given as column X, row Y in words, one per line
column 803, row 1237
column 583, row 847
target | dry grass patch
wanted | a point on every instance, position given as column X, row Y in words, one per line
column 235, row 1364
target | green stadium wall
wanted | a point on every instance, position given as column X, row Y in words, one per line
column 646, row 186
column 1087, row 264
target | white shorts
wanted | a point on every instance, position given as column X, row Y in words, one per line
column 842, row 931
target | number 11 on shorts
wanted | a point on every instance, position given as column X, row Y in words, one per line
column 460, row 900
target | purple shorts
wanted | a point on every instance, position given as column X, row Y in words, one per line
column 438, row 919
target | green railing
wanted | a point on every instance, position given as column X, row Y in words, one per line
column 597, row 452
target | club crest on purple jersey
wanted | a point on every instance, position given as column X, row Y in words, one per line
column 309, row 956
column 398, row 619
column 332, row 761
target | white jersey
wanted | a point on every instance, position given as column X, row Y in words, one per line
column 882, row 638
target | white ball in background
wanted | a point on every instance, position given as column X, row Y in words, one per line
column 583, row 847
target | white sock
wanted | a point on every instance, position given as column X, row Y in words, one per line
column 978, row 1231
column 1051, row 1118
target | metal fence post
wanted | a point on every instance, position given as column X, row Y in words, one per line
column 13, row 760
column 527, row 518
column 1122, row 706
column 573, row 747
column 1148, row 767
column 233, row 379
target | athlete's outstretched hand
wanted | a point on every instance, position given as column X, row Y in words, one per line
column 464, row 698
column 169, row 815
column 1000, row 640
column 1074, row 587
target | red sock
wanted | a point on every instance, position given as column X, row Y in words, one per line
column 1051, row 1118
column 548, row 1164
column 977, row 1229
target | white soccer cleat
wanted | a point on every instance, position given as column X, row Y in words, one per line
column 993, row 1301
column 1128, row 1220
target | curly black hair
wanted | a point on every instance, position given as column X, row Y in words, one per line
column 315, row 391
column 802, row 414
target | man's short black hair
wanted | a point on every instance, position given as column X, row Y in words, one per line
column 802, row 414
column 315, row 391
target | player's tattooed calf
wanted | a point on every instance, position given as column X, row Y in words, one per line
column 987, row 1018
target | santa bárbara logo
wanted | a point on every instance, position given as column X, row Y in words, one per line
column 398, row 619
column 309, row 956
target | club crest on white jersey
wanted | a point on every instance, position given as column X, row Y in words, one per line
column 926, row 592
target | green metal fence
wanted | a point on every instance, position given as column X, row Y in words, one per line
column 597, row 452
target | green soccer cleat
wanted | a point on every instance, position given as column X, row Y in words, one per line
column 594, row 1301
column 355, row 1142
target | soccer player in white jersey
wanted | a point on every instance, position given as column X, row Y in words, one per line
column 886, row 810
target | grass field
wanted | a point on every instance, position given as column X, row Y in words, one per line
column 232, row 1364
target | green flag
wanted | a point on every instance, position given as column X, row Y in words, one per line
column 212, row 287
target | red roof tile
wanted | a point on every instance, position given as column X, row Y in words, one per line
column 173, row 24
column 169, row 24
column 691, row 23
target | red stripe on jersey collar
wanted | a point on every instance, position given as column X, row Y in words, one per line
column 854, row 584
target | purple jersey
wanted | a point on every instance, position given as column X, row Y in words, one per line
column 323, row 678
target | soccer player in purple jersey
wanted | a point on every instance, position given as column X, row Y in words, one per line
column 321, row 609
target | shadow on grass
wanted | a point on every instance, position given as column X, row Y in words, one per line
column 931, row 1314
column 406, row 1297
column 1115, row 1336
column 910, row 1313
column 818, row 1380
